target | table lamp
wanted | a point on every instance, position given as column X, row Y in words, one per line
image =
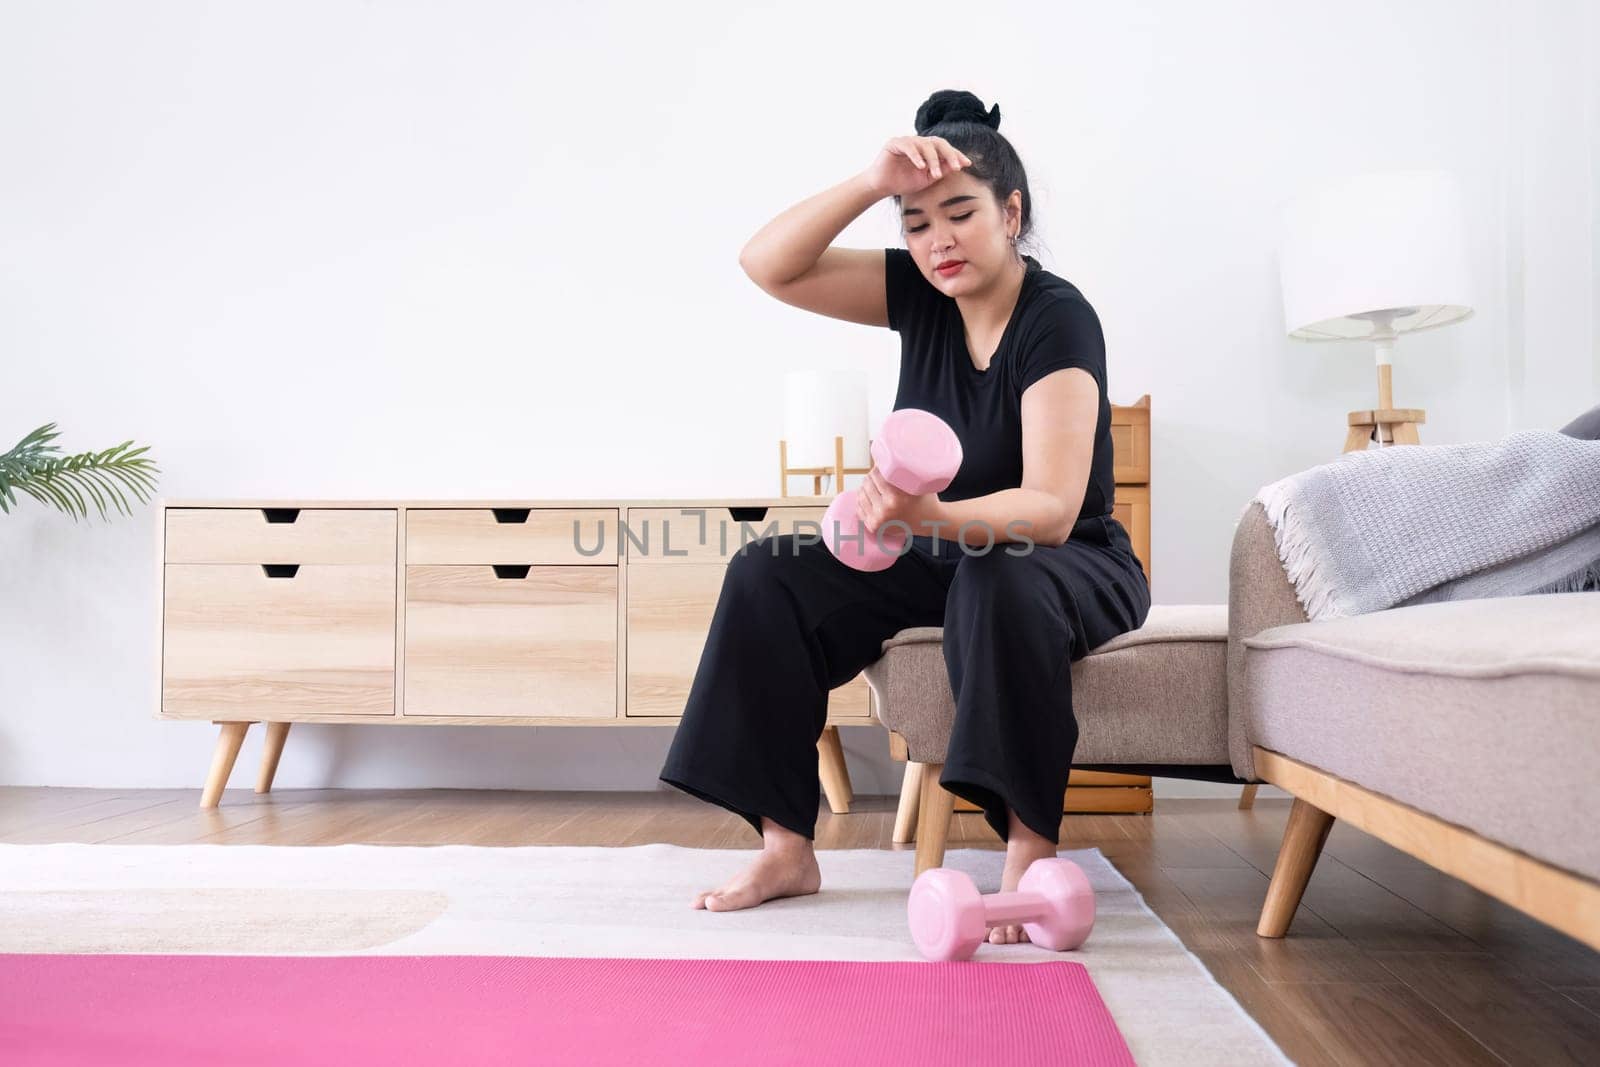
column 1371, row 257
column 824, row 427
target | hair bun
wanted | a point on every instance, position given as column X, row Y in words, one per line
column 955, row 105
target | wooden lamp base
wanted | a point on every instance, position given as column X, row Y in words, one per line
column 1385, row 424
column 838, row 470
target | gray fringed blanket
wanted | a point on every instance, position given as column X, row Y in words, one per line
column 1408, row 524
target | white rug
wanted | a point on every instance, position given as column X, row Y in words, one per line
column 590, row 901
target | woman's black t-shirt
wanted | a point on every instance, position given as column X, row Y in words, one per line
column 1051, row 327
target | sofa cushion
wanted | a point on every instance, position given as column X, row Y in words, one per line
column 1484, row 713
column 1158, row 694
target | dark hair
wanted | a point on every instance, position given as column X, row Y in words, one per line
column 960, row 118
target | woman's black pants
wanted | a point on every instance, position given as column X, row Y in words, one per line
column 792, row 622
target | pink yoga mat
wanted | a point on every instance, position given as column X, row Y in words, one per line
column 137, row 1010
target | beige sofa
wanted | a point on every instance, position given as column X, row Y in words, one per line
column 1406, row 723
column 1401, row 722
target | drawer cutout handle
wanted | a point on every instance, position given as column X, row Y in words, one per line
column 280, row 570
column 281, row 514
column 511, row 570
column 511, row 514
column 747, row 514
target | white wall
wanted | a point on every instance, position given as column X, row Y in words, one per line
column 488, row 249
column 1553, row 361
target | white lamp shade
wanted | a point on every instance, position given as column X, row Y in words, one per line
column 819, row 405
column 1357, row 248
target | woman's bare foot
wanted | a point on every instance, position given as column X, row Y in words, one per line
column 1023, row 846
column 786, row 867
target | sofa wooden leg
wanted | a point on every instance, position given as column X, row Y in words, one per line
column 222, row 757
column 1247, row 798
column 905, row 819
column 277, row 733
column 835, row 775
column 933, row 819
column 1302, row 843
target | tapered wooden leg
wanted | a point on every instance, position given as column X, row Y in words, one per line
column 933, row 820
column 1302, row 843
column 277, row 732
column 222, row 758
column 844, row 770
column 835, row 775
column 1358, row 437
column 905, row 819
column 898, row 749
column 1247, row 798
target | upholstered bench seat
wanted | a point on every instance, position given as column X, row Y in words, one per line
column 1155, row 696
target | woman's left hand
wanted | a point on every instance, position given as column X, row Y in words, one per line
column 877, row 502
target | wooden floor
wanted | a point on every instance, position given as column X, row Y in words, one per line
column 1387, row 962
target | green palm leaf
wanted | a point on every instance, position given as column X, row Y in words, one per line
column 71, row 483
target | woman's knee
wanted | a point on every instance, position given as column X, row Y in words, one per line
column 1000, row 578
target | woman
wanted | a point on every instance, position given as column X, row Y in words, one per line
column 1019, row 559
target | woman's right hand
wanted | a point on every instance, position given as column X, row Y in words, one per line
column 911, row 164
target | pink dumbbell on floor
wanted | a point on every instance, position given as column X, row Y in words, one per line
column 916, row 452
column 950, row 918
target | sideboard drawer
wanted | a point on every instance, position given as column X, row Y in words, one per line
column 280, row 535
column 710, row 535
column 537, row 536
column 669, row 616
column 238, row 643
column 512, row 641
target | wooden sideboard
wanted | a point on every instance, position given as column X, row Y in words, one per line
column 466, row 612
column 577, row 613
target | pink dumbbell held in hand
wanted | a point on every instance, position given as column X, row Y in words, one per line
column 916, row 452
column 950, row 918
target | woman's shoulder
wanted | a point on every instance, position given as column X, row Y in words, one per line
column 1059, row 307
column 1060, row 330
column 1051, row 288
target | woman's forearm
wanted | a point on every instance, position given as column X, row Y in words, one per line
column 1020, row 515
column 791, row 244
